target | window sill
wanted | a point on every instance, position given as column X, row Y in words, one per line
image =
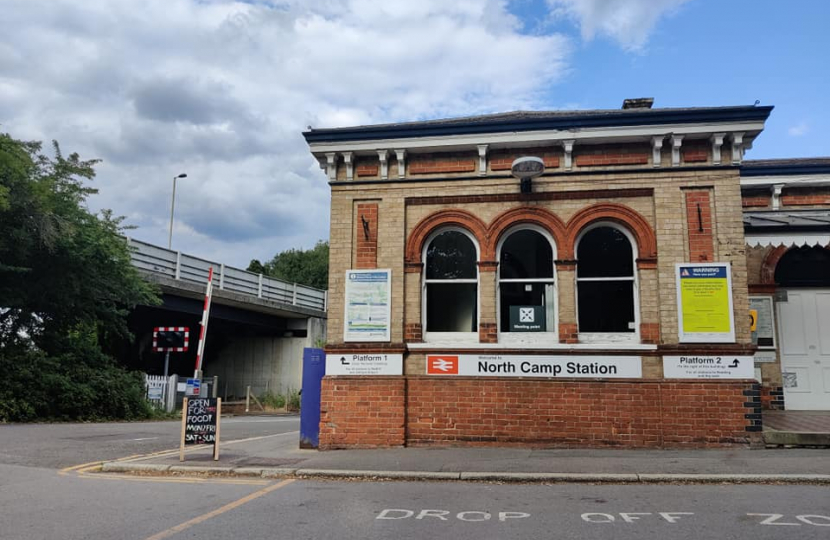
column 608, row 338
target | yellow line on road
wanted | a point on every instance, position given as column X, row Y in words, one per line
column 175, row 480
column 221, row 510
column 67, row 470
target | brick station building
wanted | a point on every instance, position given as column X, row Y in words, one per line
column 479, row 308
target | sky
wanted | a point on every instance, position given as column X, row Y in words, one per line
column 221, row 90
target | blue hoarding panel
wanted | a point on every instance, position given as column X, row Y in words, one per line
column 314, row 368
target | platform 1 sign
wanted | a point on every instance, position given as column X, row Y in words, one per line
column 497, row 365
column 364, row 364
column 708, row 367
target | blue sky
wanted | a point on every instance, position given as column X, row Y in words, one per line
column 711, row 53
column 222, row 89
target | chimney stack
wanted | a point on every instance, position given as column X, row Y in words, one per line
column 638, row 103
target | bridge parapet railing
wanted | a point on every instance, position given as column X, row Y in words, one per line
column 178, row 265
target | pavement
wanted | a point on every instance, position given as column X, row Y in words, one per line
column 278, row 455
column 797, row 428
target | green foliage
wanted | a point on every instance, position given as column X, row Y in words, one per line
column 272, row 400
column 80, row 383
column 66, row 286
column 293, row 401
column 307, row 267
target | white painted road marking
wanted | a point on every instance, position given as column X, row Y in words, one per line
column 809, row 519
column 146, row 439
column 468, row 515
column 816, row 520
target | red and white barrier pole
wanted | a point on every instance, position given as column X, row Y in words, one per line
column 203, row 333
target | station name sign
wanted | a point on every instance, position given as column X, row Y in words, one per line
column 488, row 365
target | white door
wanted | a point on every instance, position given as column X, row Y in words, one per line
column 804, row 325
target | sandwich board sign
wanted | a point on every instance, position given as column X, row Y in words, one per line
column 200, row 424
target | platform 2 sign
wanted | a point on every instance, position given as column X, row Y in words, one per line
column 200, row 423
column 708, row 367
column 704, row 303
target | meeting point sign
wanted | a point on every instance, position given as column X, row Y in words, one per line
column 489, row 365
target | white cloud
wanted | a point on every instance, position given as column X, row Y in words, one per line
column 802, row 128
column 221, row 90
column 628, row 22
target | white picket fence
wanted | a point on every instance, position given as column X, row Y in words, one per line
column 161, row 390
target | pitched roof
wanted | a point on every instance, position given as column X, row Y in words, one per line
column 781, row 220
column 540, row 120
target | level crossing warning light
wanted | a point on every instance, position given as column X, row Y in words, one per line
column 171, row 338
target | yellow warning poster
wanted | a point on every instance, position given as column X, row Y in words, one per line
column 705, row 303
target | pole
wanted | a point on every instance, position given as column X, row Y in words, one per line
column 172, row 208
column 205, row 317
column 166, row 362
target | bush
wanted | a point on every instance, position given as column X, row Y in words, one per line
column 293, row 403
column 272, row 400
column 81, row 384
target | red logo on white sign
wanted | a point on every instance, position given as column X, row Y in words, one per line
column 442, row 365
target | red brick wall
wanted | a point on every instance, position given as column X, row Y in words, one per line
column 367, row 170
column 695, row 154
column 362, row 412
column 488, row 333
column 503, row 162
column 650, row 332
column 568, row 413
column 805, row 197
column 754, row 201
column 430, row 166
column 413, row 332
column 701, row 248
column 367, row 248
column 594, row 160
column 568, row 333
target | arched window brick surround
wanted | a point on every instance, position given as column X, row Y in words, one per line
column 617, row 213
column 769, row 264
column 564, row 235
column 526, row 215
column 443, row 218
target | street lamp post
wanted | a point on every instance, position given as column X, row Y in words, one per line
column 172, row 208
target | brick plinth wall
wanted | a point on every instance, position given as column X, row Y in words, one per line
column 574, row 413
column 362, row 412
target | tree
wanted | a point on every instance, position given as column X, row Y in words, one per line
column 307, row 267
column 66, row 286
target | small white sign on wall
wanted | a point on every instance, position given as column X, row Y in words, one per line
column 708, row 367
column 364, row 364
column 765, row 357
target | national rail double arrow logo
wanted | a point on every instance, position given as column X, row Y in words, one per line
column 442, row 365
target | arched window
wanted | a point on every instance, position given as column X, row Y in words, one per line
column 605, row 281
column 527, row 297
column 451, row 282
column 804, row 267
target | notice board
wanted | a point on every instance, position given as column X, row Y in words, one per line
column 200, row 423
column 704, row 303
column 368, row 305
